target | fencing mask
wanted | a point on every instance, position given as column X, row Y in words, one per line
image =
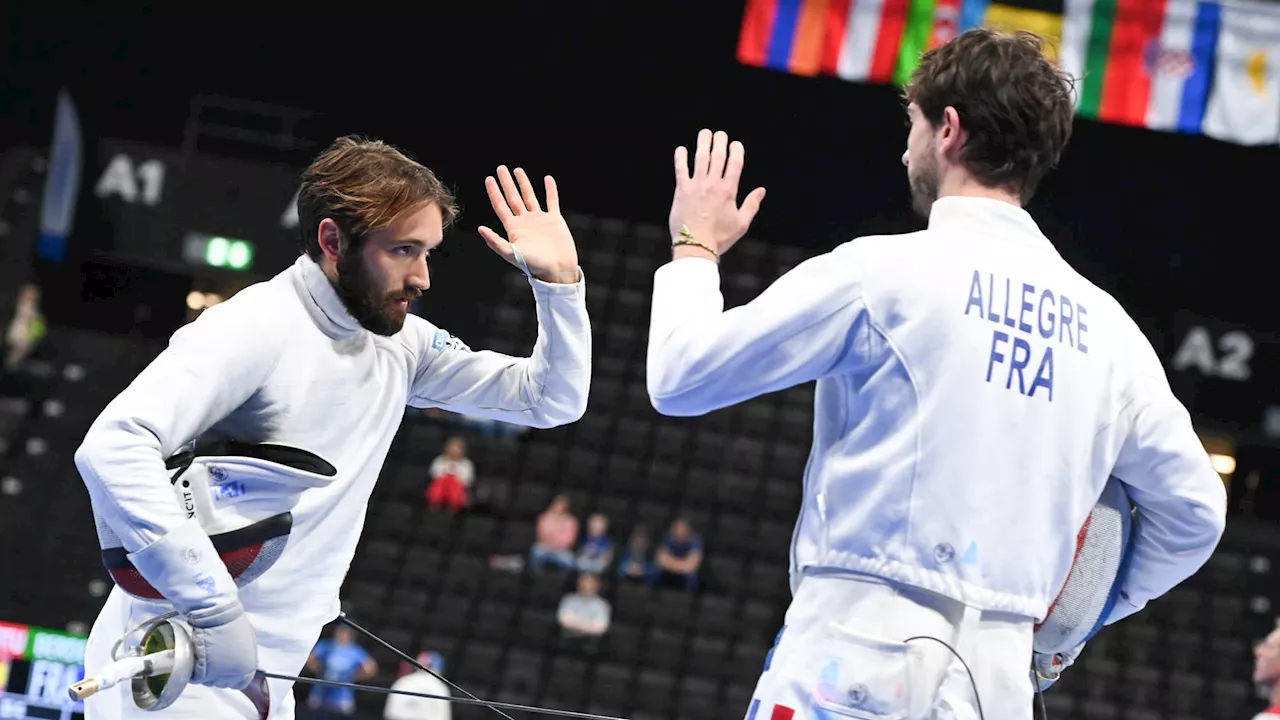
column 242, row 495
column 1096, row 576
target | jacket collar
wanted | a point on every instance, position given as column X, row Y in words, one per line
column 993, row 218
column 321, row 300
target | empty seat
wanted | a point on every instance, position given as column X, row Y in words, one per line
column 1231, row 699
column 747, row 661
column 493, row 621
column 723, row 574
column 521, row 677
column 535, row 627
column 542, row 460
column 611, row 687
column 378, row 559
column 463, row 578
column 698, row 698
column 622, row 643
column 715, row 616
column 709, row 450
column 737, row 699
column 631, row 604
column 582, row 469
column 672, row 609
column 478, row 662
column 707, row 655
column 448, row 615
column 566, row 683
column 768, row 581
column 736, row 493
column 1100, row 710
column 477, row 536
column 654, row 692
column 664, row 649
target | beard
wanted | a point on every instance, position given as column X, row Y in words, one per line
column 924, row 184
column 369, row 305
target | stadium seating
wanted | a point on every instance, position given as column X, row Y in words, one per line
column 423, row 579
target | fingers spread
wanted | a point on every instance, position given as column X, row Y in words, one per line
column 751, row 205
column 553, row 194
column 526, row 191
column 509, row 189
column 682, row 166
column 733, row 170
column 719, row 149
column 496, row 200
column 495, row 242
column 702, row 156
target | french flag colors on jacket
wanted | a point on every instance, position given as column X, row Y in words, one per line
column 1189, row 66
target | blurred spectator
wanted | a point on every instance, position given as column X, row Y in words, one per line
column 596, row 551
column 452, row 475
column 635, row 563
column 584, row 615
column 404, row 707
column 339, row 660
column 27, row 328
column 679, row 557
column 1266, row 672
column 556, row 533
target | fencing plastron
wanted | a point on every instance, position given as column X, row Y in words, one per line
column 242, row 494
column 1097, row 574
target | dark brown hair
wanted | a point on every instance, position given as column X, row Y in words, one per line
column 1014, row 104
column 364, row 185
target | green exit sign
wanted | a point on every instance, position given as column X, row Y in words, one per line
column 218, row 251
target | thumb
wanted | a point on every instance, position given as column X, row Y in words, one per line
column 496, row 243
column 751, row 205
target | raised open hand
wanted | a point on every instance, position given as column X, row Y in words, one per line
column 706, row 200
column 540, row 237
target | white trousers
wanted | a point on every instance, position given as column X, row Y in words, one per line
column 842, row 653
column 121, row 614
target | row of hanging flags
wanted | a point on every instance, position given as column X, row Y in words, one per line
column 1188, row 66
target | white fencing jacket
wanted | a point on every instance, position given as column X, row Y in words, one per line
column 973, row 395
column 283, row 362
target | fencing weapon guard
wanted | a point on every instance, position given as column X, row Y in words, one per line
column 159, row 668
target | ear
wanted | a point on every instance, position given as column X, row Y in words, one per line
column 330, row 239
column 951, row 135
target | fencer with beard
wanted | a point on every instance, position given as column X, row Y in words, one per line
column 973, row 396
column 322, row 359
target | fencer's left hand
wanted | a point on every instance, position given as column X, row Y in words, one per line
column 542, row 236
column 706, row 199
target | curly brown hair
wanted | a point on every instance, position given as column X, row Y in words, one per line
column 1014, row 104
column 364, row 185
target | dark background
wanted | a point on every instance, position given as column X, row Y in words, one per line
column 1179, row 228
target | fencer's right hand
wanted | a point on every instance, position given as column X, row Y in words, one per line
column 225, row 647
column 1047, row 668
column 706, row 199
column 185, row 568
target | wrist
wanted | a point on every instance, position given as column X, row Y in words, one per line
column 680, row 252
column 560, row 276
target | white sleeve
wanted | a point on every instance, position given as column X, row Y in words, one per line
column 1181, row 499
column 702, row 358
column 466, row 472
column 547, row 389
column 210, row 368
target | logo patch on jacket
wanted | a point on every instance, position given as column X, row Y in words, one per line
column 443, row 338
